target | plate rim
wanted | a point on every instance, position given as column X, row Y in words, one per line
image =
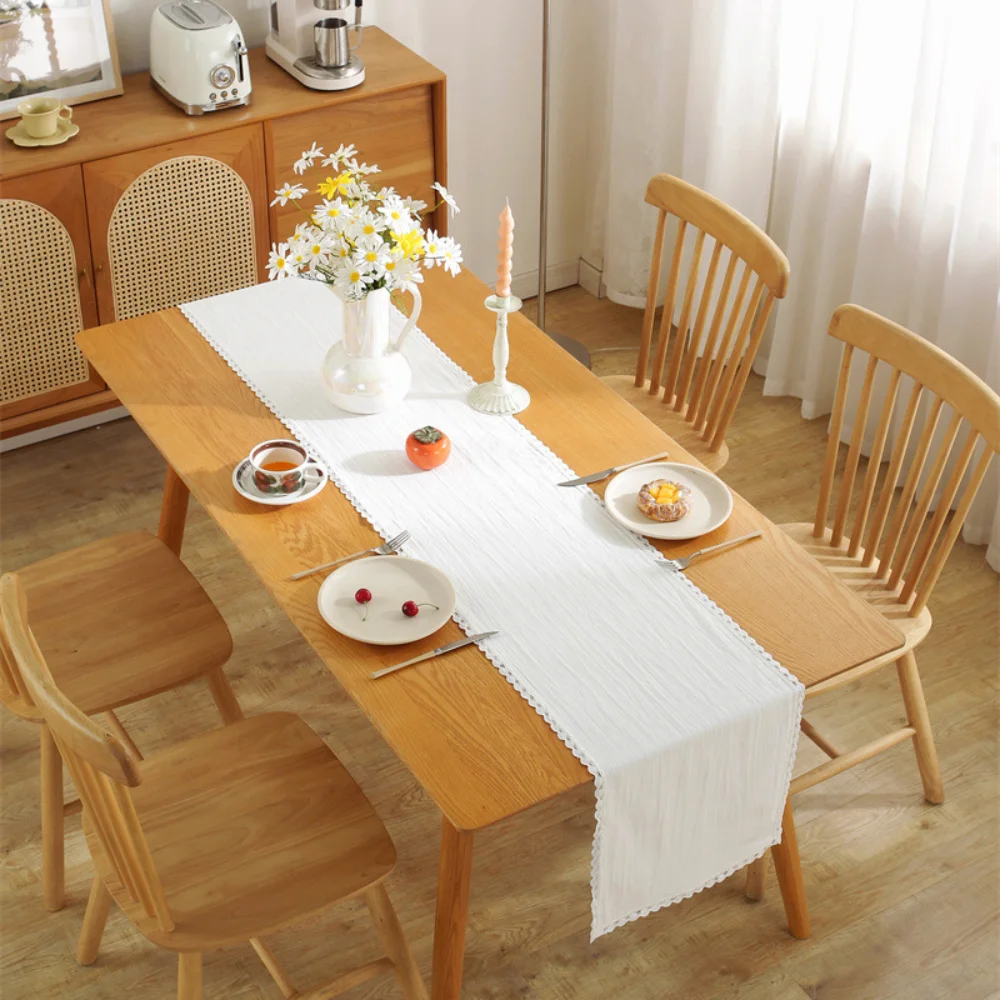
column 375, row 642
column 699, row 470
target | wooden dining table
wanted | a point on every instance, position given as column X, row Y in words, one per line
column 471, row 741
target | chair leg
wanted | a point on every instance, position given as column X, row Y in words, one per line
column 53, row 876
column 923, row 738
column 756, row 877
column 394, row 942
column 189, row 975
column 98, row 907
column 788, row 868
column 222, row 695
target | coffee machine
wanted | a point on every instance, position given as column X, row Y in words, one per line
column 317, row 53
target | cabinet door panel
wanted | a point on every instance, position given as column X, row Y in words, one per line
column 394, row 131
column 106, row 180
column 60, row 191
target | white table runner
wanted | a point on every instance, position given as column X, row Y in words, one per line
column 687, row 725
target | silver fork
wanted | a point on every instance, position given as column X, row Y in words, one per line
column 685, row 561
column 389, row 548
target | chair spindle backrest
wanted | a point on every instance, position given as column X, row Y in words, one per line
column 886, row 519
column 703, row 372
column 102, row 768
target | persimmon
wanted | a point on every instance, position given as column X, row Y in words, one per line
column 427, row 448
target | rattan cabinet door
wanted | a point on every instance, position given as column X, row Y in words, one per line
column 182, row 231
column 46, row 292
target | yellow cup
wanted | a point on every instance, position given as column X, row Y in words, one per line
column 41, row 115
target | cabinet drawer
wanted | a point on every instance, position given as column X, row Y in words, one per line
column 394, row 131
column 42, row 365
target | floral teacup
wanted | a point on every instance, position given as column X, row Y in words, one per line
column 281, row 466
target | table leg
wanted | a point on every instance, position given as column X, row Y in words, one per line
column 173, row 511
column 788, row 868
column 454, row 877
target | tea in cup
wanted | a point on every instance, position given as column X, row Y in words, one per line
column 41, row 115
column 281, row 466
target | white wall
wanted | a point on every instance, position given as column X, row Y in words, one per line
column 492, row 56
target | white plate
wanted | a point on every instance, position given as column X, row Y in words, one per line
column 711, row 501
column 244, row 485
column 392, row 580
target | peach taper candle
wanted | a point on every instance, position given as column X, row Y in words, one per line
column 505, row 252
column 500, row 396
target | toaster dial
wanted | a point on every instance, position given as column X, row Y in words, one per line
column 222, row 76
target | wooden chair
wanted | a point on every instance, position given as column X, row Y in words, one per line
column 697, row 380
column 119, row 620
column 224, row 838
column 883, row 542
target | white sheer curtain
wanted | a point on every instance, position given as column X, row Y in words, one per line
column 883, row 183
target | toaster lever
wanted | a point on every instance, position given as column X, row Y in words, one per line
column 241, row 53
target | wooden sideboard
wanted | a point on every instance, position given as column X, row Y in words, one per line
column 396, row 119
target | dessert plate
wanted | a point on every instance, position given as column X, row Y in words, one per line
column 711, row 501
column 391, row 580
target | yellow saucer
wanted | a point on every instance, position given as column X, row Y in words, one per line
column 64, row 130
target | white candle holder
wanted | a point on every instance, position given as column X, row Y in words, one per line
column 500, row 396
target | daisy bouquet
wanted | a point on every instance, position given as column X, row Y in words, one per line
column 359, row 238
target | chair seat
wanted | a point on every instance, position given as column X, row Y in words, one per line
column 862, row 580
column 251, row 828
column 122, row 619
column 668, row 420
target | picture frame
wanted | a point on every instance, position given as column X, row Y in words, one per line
column 57, row 48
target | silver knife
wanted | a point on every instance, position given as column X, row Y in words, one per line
column 458, row 644
column 596, row 477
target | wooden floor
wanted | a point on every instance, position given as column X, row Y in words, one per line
column 904, row 896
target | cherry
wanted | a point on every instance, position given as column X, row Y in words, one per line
column 411, row 609
column 363, row 596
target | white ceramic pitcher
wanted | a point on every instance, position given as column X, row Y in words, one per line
column 365, row 372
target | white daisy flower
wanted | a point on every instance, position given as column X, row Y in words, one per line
column 297, row 256
column 374, row 258
column 384, row 194
column 448, row 199
column 406, row 275
column 340, row 250
column 316, row 250
column 432, row 255
column 396, row 215
column 451, row 255
column 356, row 192
column 333, row 214
column 306, row 160
column 391, row 265
column 279, row 264
column 289, row 192
column 414, row 205
column 366, row 224
column 351, row 281
column 343, row 152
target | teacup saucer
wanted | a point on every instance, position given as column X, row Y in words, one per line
column 64, row 130
column 244, row 484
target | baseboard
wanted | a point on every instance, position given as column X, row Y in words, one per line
column 66, row 427
column 525, row 285
column 592, row 279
